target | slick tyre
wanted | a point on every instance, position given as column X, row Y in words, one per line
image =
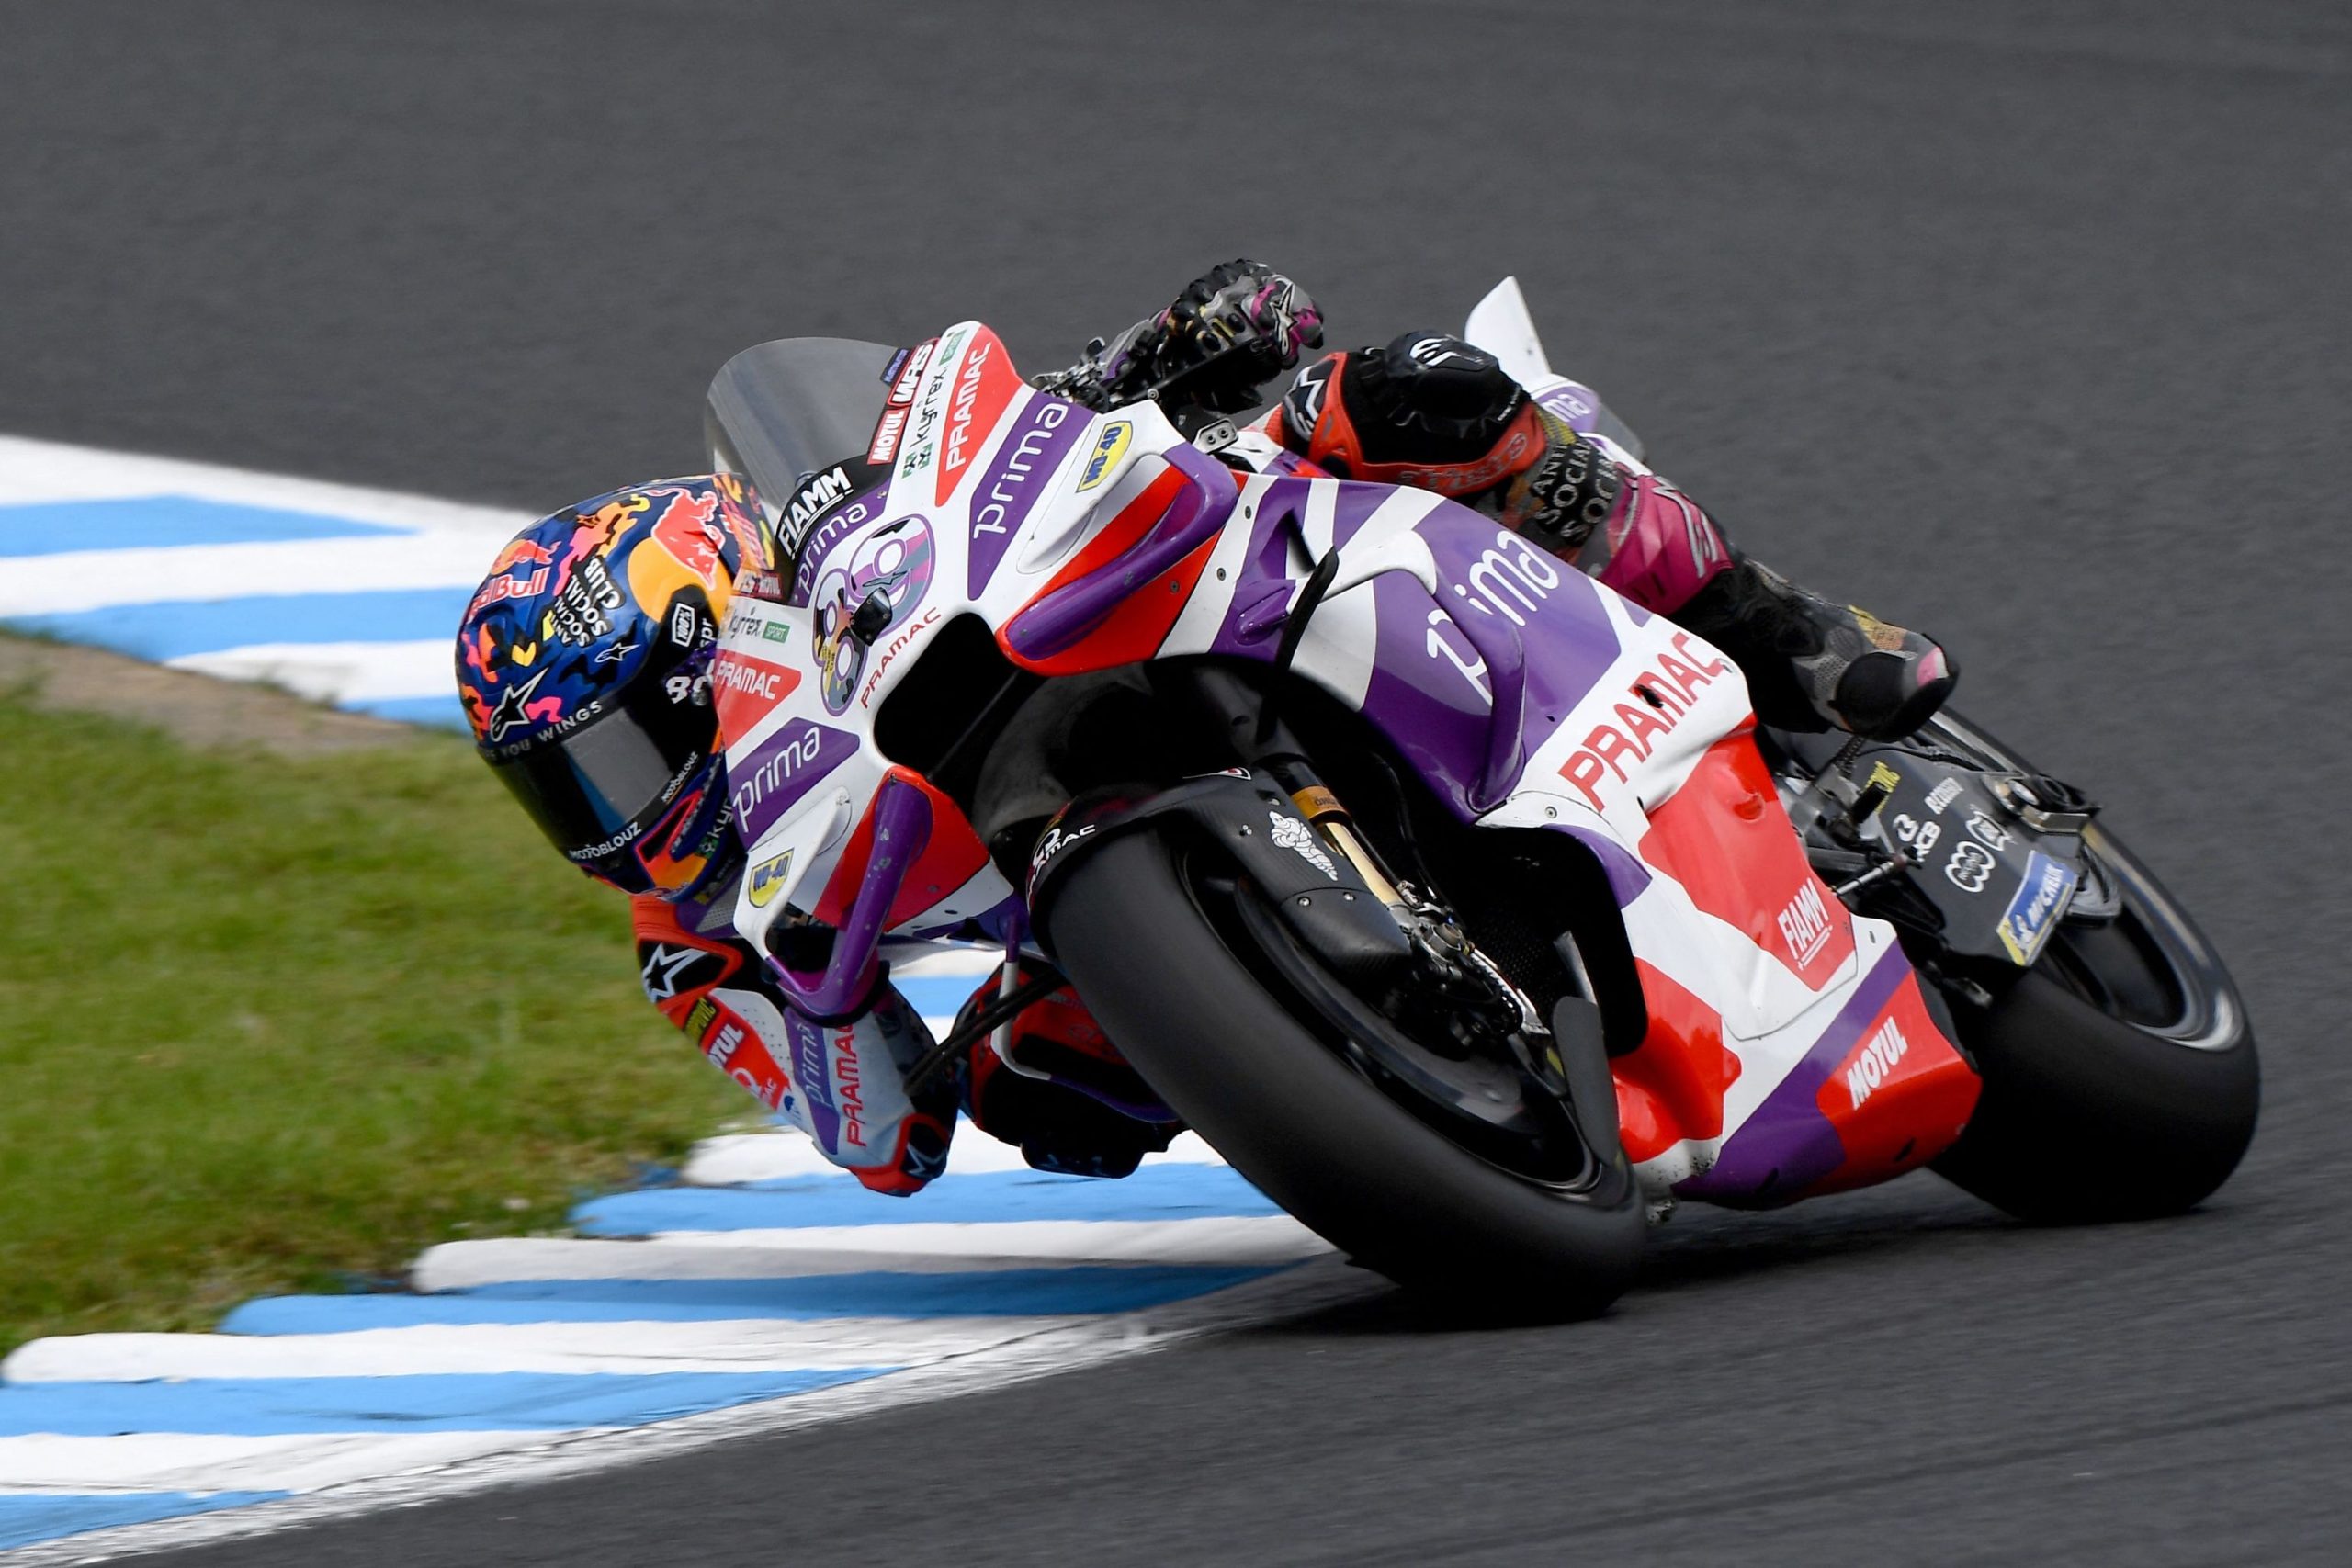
column 1195, row 1018
column 2121, row 1078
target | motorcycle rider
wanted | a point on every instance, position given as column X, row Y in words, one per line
column 1433, row 411
column 585, row 665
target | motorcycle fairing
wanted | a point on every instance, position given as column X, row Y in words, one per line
column 1525, row 694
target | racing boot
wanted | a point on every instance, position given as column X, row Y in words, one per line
column 1084, row 1112
column 1810, row 662
column 1433, row 411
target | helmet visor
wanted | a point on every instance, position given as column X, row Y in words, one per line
column 597, row 790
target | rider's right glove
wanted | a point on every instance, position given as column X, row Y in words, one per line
column 1231, row 331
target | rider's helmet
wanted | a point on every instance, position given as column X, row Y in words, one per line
column 585, row 663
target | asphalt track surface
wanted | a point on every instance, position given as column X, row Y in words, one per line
column 2032, row 333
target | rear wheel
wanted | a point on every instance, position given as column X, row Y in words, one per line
column 1318, row 1101
column 2121, row 1078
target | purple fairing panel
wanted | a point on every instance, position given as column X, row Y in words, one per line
column 1514, row 632
column 1575, row 402
column 1061, row 618
column 1787, row 1143
column 1045, row 430
column 1627, row 876
column 790, row 763
column 901, row 830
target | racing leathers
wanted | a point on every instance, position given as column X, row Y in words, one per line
column 843, row 1081
column 1431, row 411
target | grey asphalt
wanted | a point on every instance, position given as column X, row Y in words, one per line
column 2031, row 329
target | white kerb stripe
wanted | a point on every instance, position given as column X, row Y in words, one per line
column 339, row 671
column 179, row 1461
column 1237, row 1241
column 745, row 1345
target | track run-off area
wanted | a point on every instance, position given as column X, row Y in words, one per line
column 2024, row 328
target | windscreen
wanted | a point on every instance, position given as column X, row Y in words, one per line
column 779, row 412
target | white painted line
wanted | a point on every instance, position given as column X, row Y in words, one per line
column 197, row 1462
column 1252, row 1241
column 745, row 1344
column 339, row 671
column 34, row 471
column 1312, row 1286
column 784, row 1154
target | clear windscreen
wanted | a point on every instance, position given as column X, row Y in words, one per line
column 780, row 412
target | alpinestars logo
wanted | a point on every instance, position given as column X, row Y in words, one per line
column 513, row 707
column 665, row 970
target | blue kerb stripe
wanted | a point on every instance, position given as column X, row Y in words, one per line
column 1008, row 1293
column 445, row 713
column 25, row 1518
column 146, row 521
column 456, row 1402
column 172, row 628
column 1155, row 1193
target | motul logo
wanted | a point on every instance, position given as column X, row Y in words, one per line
column 1877, row 1060
column 1804, row 925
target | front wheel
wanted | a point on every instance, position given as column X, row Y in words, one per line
column 1172, row 965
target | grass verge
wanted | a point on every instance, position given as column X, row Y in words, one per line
column 269, row 1023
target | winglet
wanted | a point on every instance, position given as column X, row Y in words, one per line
column 1499, row 324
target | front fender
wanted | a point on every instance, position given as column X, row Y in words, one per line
column 1247, row 822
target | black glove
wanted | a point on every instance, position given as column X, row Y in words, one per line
column 1230, row 331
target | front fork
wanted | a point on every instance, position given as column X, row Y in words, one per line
column 1237, row 707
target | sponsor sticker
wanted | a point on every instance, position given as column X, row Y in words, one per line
column 1969, row 868
column 1292, row 834
column 1987, row 832
column 748, row 689
column 1110, row 443
column 765, row 880
column 1944, row 795
column 886, row 430
column 2034, row 912
column 1669, row 689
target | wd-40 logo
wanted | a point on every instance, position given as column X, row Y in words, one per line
column 765, row 880
column 1877, row 1061
column 1804, row 924
column 1110, row 445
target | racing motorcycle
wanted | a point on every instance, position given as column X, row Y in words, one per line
column 1461, row 904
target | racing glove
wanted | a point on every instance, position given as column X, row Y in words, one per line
column 1230, row 331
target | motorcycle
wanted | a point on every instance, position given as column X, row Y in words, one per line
column 1461, row 904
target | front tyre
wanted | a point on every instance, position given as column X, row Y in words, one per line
column 2120, row 1079
column 1191, row 1007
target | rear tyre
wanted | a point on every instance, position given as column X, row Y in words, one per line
column 1314, row 1133
column 2121, row 1078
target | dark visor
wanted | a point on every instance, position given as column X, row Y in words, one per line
column 595, row 790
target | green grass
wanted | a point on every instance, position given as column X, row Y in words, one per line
column 271, row 1023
